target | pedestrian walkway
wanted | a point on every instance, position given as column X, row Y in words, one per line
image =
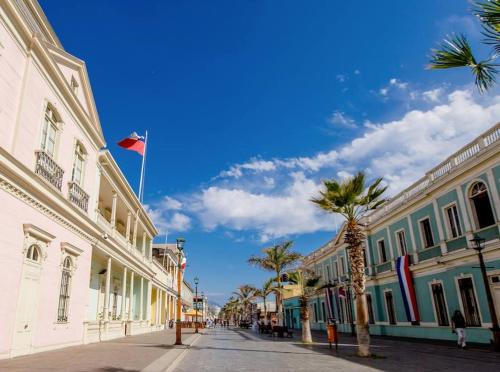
column 124, row 354
column 243, row 350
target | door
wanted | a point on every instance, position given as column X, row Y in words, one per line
column 495, row 292
column 27, row 308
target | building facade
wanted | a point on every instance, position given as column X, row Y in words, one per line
column 432, row 222
column 76, row 243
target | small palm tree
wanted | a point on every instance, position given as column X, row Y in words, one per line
column 267, row 289
column 277, row 258
column 350, row 199
column 457, row 52
column 245, row 295
column 307, row 283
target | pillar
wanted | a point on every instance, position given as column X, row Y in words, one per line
column 124, row 293
column 134, row 239
column 113, row 209
column 129, row 222
column 106, row 293
column 131, row 297
column 144, row 243
column 157, row 320
column 141, row 302
column 148, row 309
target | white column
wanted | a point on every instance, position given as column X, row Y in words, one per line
column 144, row 243
column 148, row 308
column 141, row 310
column 124, row 293
column 113, row 209
column 442, row 243
column 131, row 296
column 463, row 209
column 129, row 222
column 157, row 321
column 412, row 238
column 106, row 293
column 134, row 239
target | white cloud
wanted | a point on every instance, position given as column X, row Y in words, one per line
column 357, row 72
column 384, row 91
column 398, row 83
column 432, row 95
column 400, row 151
column 340, row 118
column 341, row 78
column 254, row 164
column 166, row 216
column 289, row 212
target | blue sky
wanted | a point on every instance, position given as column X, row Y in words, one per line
column 249, row 104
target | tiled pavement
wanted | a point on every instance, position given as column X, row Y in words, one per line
column 238, row 350
column 124, row 354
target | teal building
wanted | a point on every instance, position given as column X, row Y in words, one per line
column 433, row 222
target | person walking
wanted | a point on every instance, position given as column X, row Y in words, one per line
column 458, row 326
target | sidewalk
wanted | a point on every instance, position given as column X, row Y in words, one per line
column 128, row 354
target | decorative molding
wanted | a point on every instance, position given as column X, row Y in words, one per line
column 37, row 233
column 71, row 249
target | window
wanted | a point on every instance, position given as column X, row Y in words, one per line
column 316, row 316
column 33, row 253
column 440, row 304
column 335, row 269
column 323, row 312
column 328, row 273
column 369, row 303
column 401, row 238
column 77, row 175
column 342, row 265
column 481, row 206
column 469, row 304
column 453, row 222
column 426, row 231
column 364, row 257
column 62, row 310
column 49, row 131
column 381, row 251
column 389, row 302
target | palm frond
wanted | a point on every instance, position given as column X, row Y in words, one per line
column 489, row 15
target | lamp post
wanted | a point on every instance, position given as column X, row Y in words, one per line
column 196, row 281
column 178, row 334
column 478, row 245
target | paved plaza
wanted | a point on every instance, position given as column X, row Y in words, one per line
column 242, row 350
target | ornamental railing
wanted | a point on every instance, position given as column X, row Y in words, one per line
column 47, row 168
column 484, row 142
column 78, row 196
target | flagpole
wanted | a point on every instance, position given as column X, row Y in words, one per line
column 143, row 169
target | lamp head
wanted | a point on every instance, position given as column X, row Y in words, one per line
column 180, row 243
column 196, row 280
column 477, row 242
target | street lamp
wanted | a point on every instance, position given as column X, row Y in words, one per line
column 478, row 245
column 196, row 281
column 178, row 331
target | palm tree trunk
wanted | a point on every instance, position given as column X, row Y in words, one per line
column 354, row 237
column 265, row 310
column 279, row 303
column 306, row 325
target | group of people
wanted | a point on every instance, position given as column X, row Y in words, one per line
column 223, row 323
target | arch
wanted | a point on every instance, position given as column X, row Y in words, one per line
column 68, row 263
column 34, row 253
column 480, row 203
column 52, row 113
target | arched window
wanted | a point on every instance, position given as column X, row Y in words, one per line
column 49, row 130
column 481, row 206
column 78, row 165
column 62, row 310
column 33, row 253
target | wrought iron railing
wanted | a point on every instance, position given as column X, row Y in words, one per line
column 48, row 169
column 78, row 196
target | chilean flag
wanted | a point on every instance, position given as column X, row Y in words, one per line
column 183, row 263
column 407, row 289
column 134, row 142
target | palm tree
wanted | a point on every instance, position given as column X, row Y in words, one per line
column 277, row 258
column 307, row 283
column 350, row 199
column 267, row 289
column 457, row 52
column 245, row 295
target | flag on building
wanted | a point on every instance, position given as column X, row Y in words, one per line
column 134, row 142
column 329, row 304
column 407, row 289
column 183, row 263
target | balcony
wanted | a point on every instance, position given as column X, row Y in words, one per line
column 78, row 197
column 48, row 169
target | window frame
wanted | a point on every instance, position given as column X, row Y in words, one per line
column 382, row 240
column 342, row 265
column 398, row 242
column 422, row 232
column 473, row 207
column 462, row 309
column 369, row 305
column 457, row 221
column 434, row 308
column 65, row 290
column 393, row 307
column 53, row 121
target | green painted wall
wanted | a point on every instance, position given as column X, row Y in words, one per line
column 427, row 211
column 381, row 234
column 401, row 224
